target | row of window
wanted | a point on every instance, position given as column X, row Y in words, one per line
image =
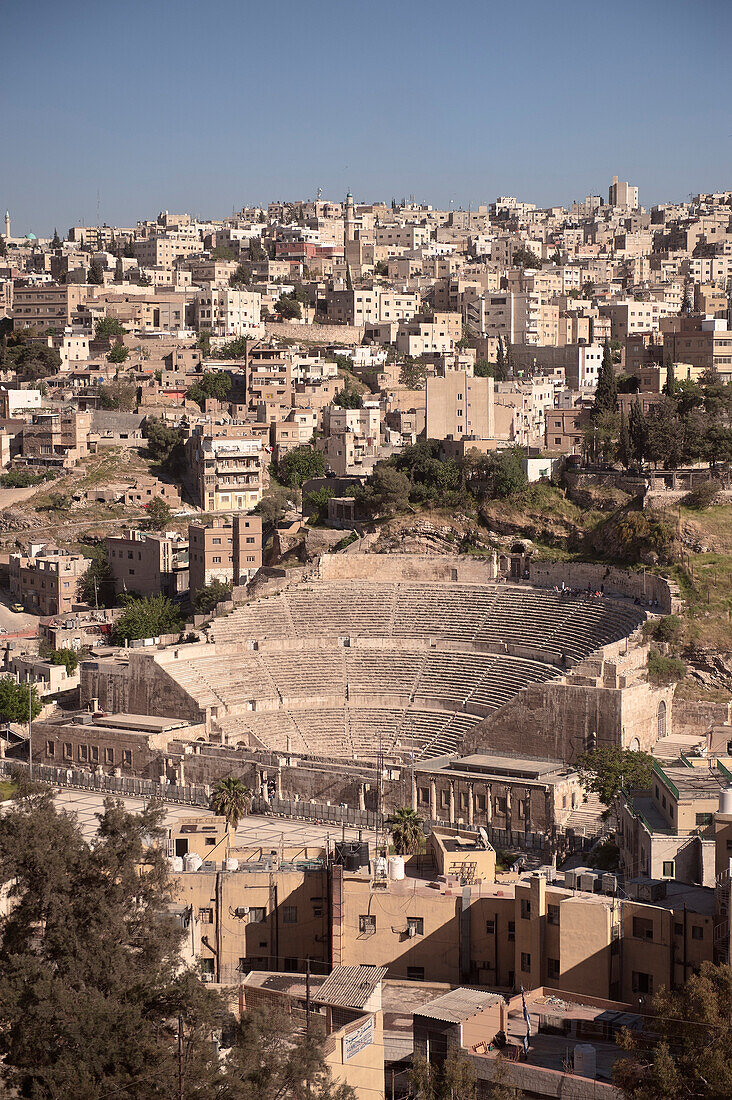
column 90, row 754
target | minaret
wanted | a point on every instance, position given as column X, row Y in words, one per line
column 7, row 224
column 349, row 219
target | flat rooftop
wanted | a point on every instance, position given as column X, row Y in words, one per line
column 484, row 764
column 694, row 782
column 149, row 723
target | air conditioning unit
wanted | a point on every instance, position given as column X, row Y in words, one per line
column 411, row 931
column 586, row 881
column 609, row 884
column 570, row 879
column 241, row 911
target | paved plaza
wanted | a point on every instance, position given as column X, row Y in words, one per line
column 265, row 832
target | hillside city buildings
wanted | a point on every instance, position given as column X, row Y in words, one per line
column 159, row 383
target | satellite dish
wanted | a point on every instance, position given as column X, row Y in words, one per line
column 483, row 836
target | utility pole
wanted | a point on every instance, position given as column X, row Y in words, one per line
column 30, row 728
column 180, row 1059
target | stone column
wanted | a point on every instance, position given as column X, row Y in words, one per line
column 414, row 793
column 470, row 804
column 452, row 801
column 361, row 796
column 489, row 804
column 433, row 799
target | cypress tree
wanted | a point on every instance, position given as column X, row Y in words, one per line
column 638, row 431
column 624, row 446
column 606, row 393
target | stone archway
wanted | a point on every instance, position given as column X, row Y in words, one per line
column 661, row 719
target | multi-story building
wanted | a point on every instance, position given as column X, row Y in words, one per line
column 225, row 550
column 164, row 251
column 48, row 305
column 46, row 580
column 56, row 438
column 148, row 564
column 432, row 335
column 622, row 194
column 227, row 312
column 225, row 467
column 704, row 342
column 565, row 429
column 460, row 405
column 371, row 305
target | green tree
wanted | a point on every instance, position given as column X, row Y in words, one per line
column 316, row 503
column 625, row 452
column 525, row 257
column 158, row 515
column 14, row 700
column 664, row 670
column 242, row 276
column 606, row 393
column 97, row 586
column 56, row 241
column 216, row 384
column 348, row 398
column 69, row 658
column 506, row 473
column 386, row 491
column 273, row 505
column 90, row 981
column 231, row 799
column 501, row 372
column 687, row 1053
column 3, row 247
column 299, row 465
column 288, row 308
column 205, row 599
column 117, row 395
column 95, row 275
column 272, row 1058
column 33, row 361
column 407, row 834
column 604, row 771
column 147, row 617
column 165, row 443
column 118, row 353
column 108, row 326
column 412, row 373
column 638, row 431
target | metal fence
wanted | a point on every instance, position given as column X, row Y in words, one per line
column 112, row 784
column 318, row 811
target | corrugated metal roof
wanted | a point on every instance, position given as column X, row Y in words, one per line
column 457, row 1005
column 351, row 986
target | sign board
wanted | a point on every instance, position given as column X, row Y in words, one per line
column 357, row 1040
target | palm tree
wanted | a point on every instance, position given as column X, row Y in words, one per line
column 231, row 799
column 406, row 831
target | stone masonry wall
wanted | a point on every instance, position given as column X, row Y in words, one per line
column 617, row 582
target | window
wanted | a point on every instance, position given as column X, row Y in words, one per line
column 525, row 961
column 109, row 756
column 94, row 754
column 552, row 914
column 415, row 973
column 127, row 757
column 480, row 802
column 697, row 932
column 257, row 914
column 490, row 927
column 205, row 916
column 68, row 750
column 290, row 964
column 289, row 914
column 367, row 925
column 678, row 929
column 642, row 983
column 207, row 969
column 444, row 799
column 424, row 794
column 50, row 748
column 511, row 930
column 552, row 968
column 525, row 909
column 83, row 753
column 642, row 928
column 668, row 868
column 703, row 819
column 415, row 926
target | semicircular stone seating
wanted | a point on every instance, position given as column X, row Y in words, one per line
column 400, row 668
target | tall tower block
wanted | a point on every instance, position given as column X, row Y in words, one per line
column 349, row 218
column 7, row 224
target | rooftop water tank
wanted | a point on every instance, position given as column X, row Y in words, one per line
column 396, row 868
column 725, row 800
column 231, row 864
column 192, row 862
column 585, row 1060
column 176, row 863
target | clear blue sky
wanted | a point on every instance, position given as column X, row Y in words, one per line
column 205, row 106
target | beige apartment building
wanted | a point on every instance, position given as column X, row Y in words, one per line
column 437, row 334
column 148, row 564
column 227, row 312
column 703, row 342
column 46, row 580
column 225, row 550
column 460, row 405
column 164, row 251
column 622, row 194
column 56, row 438
column 225, row 467
column 565, row 429
column 371, row 305
column 48, row 305
column 521, row 318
